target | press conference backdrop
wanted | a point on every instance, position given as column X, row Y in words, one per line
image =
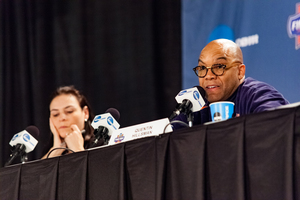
column 267, row 31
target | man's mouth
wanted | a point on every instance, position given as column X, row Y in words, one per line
column 211, row 86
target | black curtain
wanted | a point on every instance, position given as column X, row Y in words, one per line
column 120, row 54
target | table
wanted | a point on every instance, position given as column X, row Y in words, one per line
column 255, row 156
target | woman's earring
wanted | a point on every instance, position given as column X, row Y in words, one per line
column 85, row 120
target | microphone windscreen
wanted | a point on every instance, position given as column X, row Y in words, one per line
column 114, row 112
column 33, row 130
column 201, row 90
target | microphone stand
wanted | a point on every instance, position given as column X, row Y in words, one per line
column 186, row 108
column 19, row 150
column 179, row 108
column 24, row 158
column 188, row 112
column 101, row 132
column 190, row 117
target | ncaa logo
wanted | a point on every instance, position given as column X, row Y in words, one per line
column 97, row 119
column 110, row 120
column 26, row 137
column 182, row 92
column 15, row 137
column 293, row 26
column 196, row 95
column 221, row 31
column 119, row 138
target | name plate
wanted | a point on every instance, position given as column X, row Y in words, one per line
column 147, row 129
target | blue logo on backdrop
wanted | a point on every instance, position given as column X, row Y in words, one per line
column 110, row 120
column 196, row 95
column 293, row 26
column 221, row 31
column 26, row 137
column 97, row 119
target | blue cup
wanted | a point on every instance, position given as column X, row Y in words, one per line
column 221, row 110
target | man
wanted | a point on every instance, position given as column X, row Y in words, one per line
column 221, row 74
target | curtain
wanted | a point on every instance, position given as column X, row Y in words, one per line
column 120, row 54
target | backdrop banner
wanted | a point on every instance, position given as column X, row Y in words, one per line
column 268, row 33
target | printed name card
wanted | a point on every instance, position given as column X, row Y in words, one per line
column 147, row 129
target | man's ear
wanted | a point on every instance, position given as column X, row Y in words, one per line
column 242, row 71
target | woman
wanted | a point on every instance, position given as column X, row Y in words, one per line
column 70, row 122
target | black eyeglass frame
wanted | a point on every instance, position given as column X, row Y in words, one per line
column 211, row 68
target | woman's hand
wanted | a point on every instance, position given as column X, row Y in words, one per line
column 74, row 140
column 57, row 140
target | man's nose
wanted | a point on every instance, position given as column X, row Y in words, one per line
column 210, row 75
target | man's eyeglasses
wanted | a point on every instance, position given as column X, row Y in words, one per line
column 216, row 69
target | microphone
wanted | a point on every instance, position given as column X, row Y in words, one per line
column 23, row 142
column 189, row 101
column 114, row 112
column 105, row 124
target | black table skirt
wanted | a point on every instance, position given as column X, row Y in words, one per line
column 251, row 157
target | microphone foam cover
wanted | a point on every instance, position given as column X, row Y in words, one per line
column 201, row 90
column 33, row 130
column 114, row 112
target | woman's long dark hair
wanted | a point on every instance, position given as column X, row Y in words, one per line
column 88, row 135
